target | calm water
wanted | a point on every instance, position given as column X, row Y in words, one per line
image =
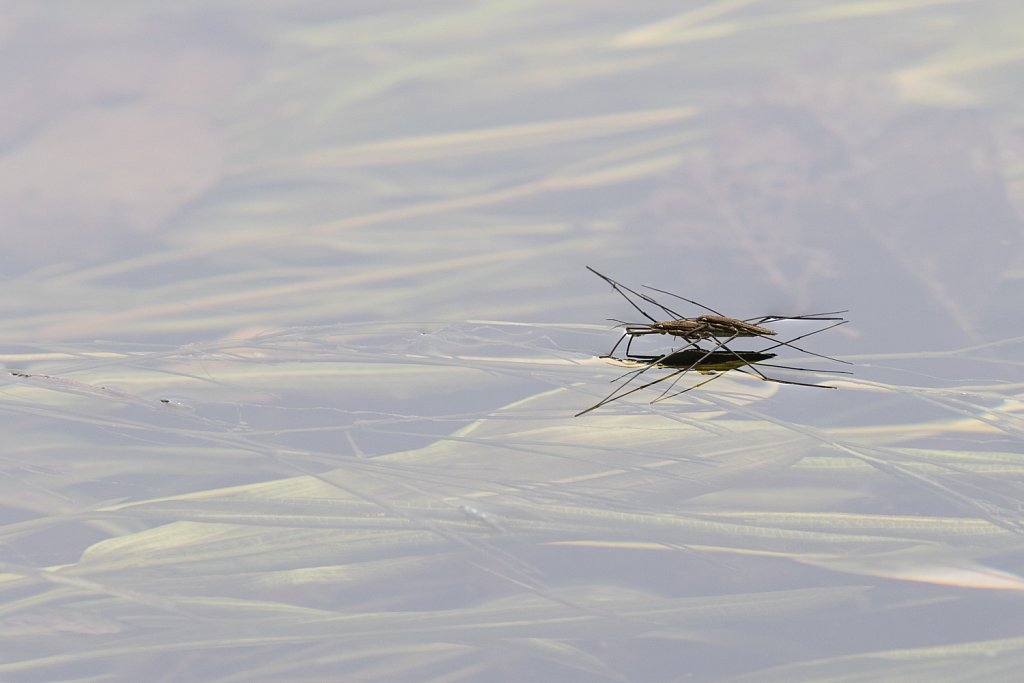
column 296, row 321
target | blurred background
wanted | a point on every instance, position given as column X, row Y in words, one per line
column 294, row 295
column 305, row 163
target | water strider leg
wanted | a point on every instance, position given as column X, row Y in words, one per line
column 789, row 344
column 757, row 373
column 619, row 287
column 619, row 391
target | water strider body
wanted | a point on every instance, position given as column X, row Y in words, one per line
column 702, row 327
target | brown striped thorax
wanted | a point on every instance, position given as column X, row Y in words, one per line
column 702, row 327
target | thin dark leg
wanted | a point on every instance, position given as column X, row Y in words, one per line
column 802, row 350
column 618, row 393
column 689, row 301
column 612, row 352
column 809, row 316
column 663, row 396
column 619, row 287
column 696, row 364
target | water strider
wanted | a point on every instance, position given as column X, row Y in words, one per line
column 716, row 327
column 704, row 327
